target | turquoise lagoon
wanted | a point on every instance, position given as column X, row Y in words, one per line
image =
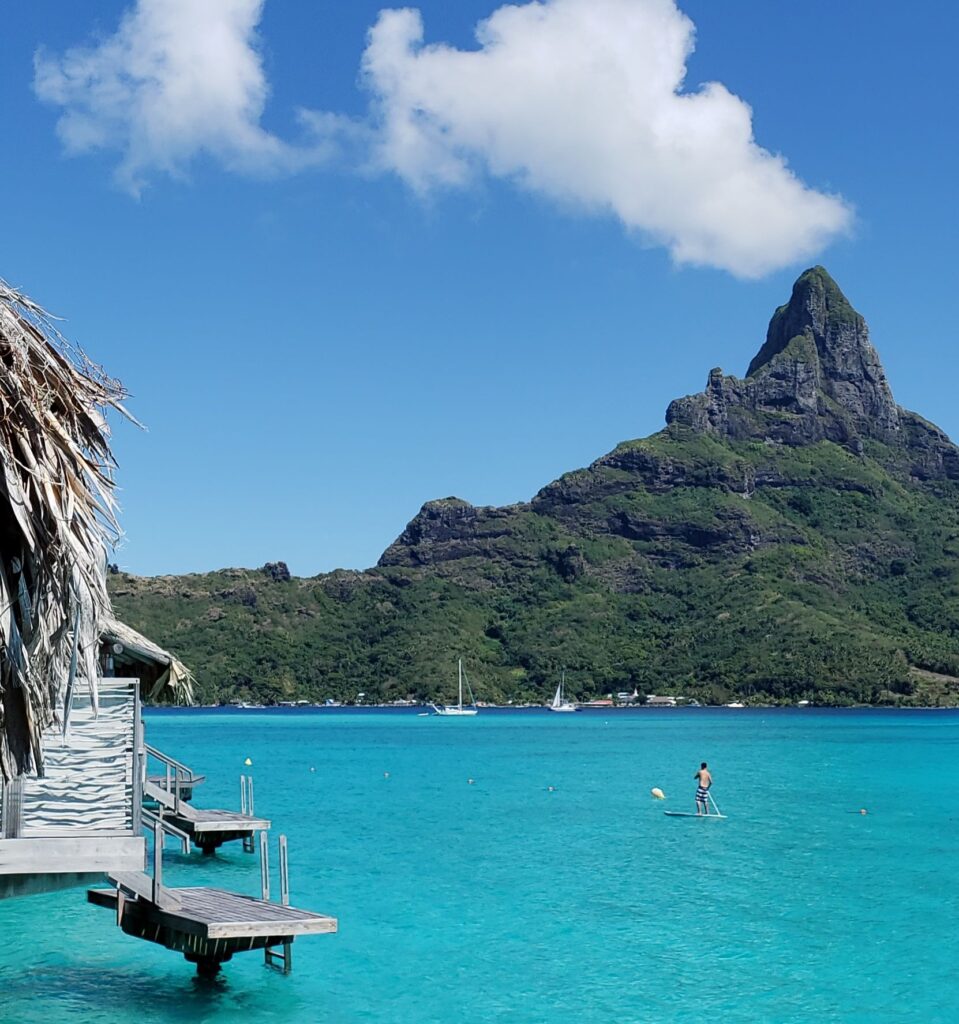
column 503, row 901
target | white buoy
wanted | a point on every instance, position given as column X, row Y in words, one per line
column 658, row 793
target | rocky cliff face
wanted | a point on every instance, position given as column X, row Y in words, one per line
column 449, row 530
column 816, row 378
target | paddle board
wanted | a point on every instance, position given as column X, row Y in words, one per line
column 691, row 814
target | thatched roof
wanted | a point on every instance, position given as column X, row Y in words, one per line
column 161, row 674
column 57, row 518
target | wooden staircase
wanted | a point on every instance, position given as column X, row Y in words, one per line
column 206, row 829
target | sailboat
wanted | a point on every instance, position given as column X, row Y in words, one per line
column 450, row 710
column 559, row 701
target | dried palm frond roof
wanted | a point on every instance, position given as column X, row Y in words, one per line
column 161, row 674
column 57, row 517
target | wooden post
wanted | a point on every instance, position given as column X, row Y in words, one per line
column 157, row 861
column 12, row 813
column 264, row 866
column 139, row 762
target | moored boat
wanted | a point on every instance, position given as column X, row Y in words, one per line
column 458, row 710
column 560, row 703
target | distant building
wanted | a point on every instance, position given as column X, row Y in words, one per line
column 660, row 702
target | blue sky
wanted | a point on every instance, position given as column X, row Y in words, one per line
column 329, row 311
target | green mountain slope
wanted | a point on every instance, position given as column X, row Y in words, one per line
column 792, row 534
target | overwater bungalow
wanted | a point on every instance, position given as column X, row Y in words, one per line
column 81, row 818
column 68, row 717
column 73, row 758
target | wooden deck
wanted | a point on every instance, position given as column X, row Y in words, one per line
column 207, row 829
column 207, row 925
column 219, row 821
column 38, row 865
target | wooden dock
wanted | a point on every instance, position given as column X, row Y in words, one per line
column 207, row 829
column 206, row 925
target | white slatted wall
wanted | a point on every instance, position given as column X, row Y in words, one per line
column 88, row 782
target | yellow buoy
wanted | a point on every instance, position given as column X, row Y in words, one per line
column 658, row 793
column 248, row 762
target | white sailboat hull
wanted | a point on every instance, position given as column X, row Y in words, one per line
column 560, row 703
column 458, row 710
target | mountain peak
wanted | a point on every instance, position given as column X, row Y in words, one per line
column 818, row 308
column 820, row 312
column 816, row 376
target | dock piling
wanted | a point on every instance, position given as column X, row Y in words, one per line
column 157, row 860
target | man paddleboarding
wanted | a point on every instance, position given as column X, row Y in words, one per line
column 705, row 780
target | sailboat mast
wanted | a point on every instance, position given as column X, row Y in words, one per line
column 461, row 682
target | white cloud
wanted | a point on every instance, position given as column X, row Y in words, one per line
column 178, row 78
column 582, row 101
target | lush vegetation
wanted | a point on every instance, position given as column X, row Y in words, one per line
column 681, row 564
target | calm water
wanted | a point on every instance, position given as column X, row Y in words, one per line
column 502, row 901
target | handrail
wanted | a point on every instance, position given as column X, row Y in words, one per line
column 177, row 774
column 172, row 762
column 151, row 819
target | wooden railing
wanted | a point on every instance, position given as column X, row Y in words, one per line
column 150, row 823
column 177, row 775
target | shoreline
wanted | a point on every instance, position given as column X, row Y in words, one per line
column 416, row 710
